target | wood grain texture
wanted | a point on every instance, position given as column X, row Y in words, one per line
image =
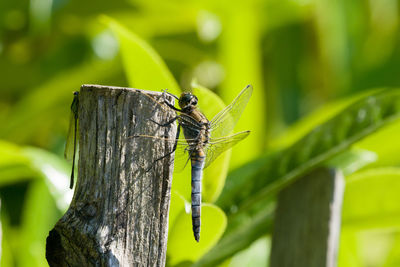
column 119, row 212
column 307, row 221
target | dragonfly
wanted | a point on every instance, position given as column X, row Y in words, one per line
column 203, row 140
column 70, row 146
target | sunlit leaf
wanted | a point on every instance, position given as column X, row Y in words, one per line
column 56, row 174
column 385, row 144
column 352, row 160
column 243, row 194
column 256, row 255
column 348, row 250
column 322, row 143
column 372, row 199
column 393, row 258
column 39, row 216
column 177, row 205
column 181, row 243
column 320, row 115
column 240, row 55
column 143, row 66
column 50, row 102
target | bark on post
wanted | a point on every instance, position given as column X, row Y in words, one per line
column 307, row 221
column 119, row 212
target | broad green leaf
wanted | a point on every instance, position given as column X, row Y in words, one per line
column 6, row 241
column 181, row 244
column 143, row 66
column 317, row 117
column 40, row 213
column 256, row 255
column 352, row 160
column 177, row 205
column 348, row 250
column 381, row 206
column 14, row 165
column 393, row 258
column 325, row 141
column 365, row 248
column 18, row 163
column 240, row 55
column 56, row 174
column 242, row 230
column 243, row 193
column 50, row 102
column 384, row 144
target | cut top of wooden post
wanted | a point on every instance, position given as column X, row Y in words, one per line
column 119, row 213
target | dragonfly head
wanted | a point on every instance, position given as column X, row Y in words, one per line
column 187, row 101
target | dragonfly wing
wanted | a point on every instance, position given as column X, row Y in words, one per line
column 181, row 157
column 72, row 129
column 224, row 122
column 217, row 146
column 187, row 121
column 69, row 145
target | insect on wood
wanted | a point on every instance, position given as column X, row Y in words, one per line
column 70, row 146
column 204, row 140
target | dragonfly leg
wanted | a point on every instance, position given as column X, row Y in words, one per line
column 165, row 124
column 166, row 102
column 169, row 153
column 165, row 91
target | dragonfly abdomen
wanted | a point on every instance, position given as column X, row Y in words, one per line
column 197, row 174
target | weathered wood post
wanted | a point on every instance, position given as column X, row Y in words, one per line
column 307, row 221
column 119, row 212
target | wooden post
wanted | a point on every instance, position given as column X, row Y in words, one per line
column 119, row 212
column 307, row 221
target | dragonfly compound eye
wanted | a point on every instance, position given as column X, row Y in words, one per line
column 186, row 99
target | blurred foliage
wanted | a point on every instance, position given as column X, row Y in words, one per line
column 318, row 68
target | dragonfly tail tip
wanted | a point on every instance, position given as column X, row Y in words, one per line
column 197, row 237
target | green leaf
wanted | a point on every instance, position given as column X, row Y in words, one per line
column 22, row 163
column 348, row 250
column 14, row 165
column 325, row 141
column 45, row 104
column 143, row 66
column 384, row 145
column 380, row 209
column 243, row 229
column 177, row 205
column 243, row 194
column 56, row 173
column 256, row 255
column 40, row 213
column 241, row 56
column 352, row 160
column 317, row 117
column 393, row 258
column 181, row 243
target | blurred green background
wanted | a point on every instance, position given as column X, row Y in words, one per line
column 305, row 60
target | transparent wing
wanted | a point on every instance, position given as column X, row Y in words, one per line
column 224, row 122
column 217, row 146
column 72, row 130
column 69, row 145
column 188, row 122
column 181, row 157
